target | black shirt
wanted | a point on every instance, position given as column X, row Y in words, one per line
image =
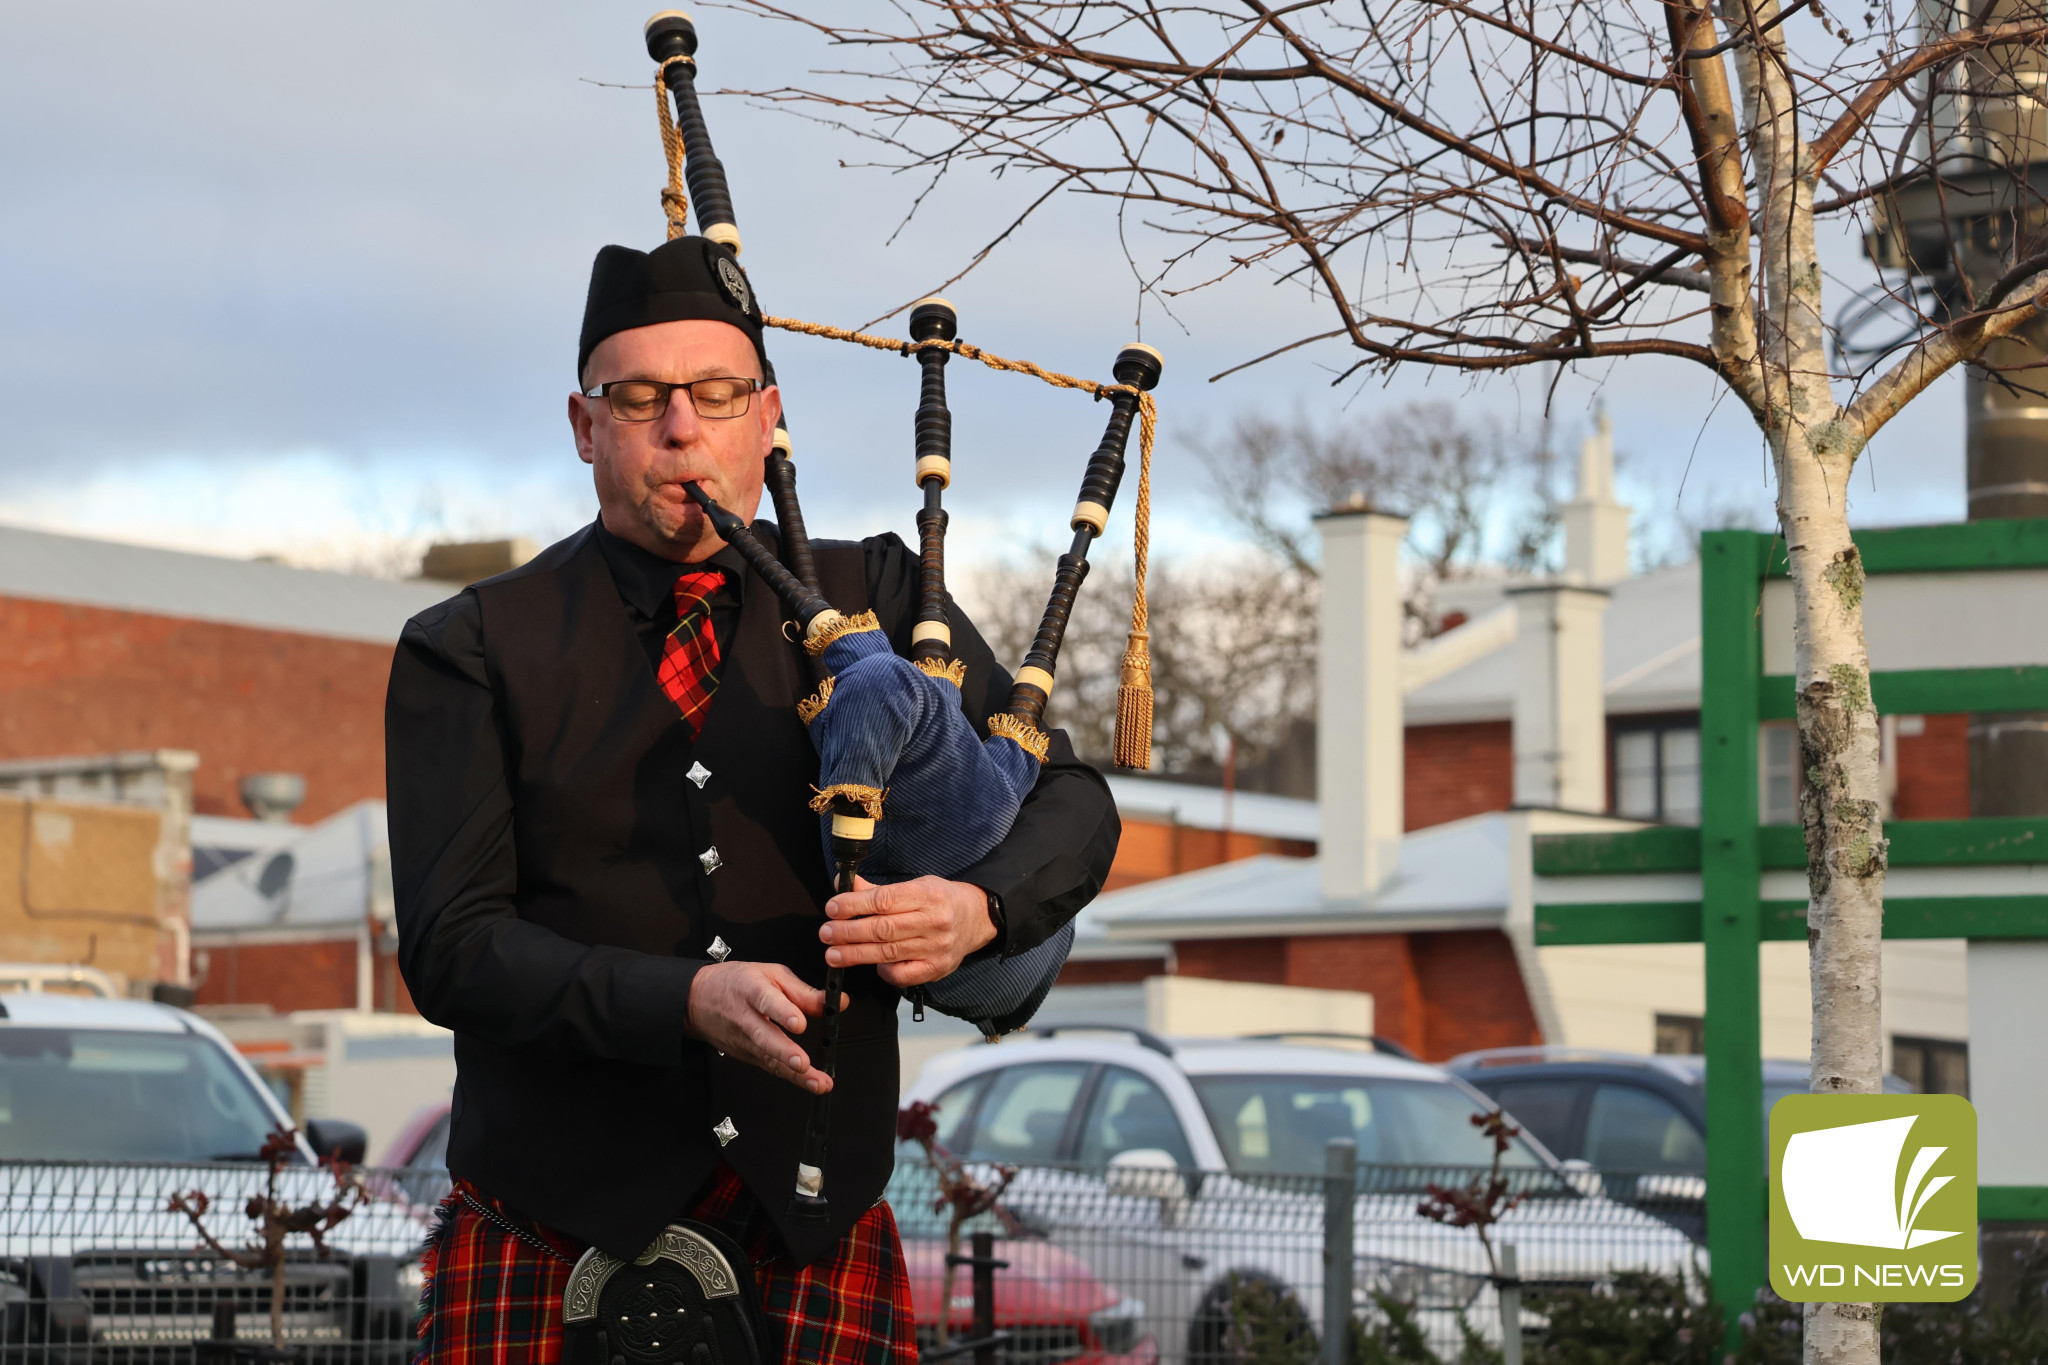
column 1048, row 867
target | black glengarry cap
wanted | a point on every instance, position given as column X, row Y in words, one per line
column 689, row 278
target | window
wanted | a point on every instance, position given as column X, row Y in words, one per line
column 1681, row 1035
column 101, row 1095
column 952, row 1109
column 1024, row 1114
column 1282, row 1124
column 1633, row 1130
column 1657, row 772
column 1932, row 1066
column 1543, row 1109
column 1127, row 1114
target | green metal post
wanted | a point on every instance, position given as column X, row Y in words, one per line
column 1731, row 565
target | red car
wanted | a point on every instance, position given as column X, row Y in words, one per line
column 1052, row 1305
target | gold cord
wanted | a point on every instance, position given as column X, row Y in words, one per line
column 823, row 636
column 675, row 200
column 813, row 706
column 954, row 672
column 1022, row 733
column 869, row 799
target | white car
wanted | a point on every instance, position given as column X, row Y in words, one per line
column 109, row 1108
column 1182, row 1171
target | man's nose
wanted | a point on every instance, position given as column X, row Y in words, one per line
column 681, row 425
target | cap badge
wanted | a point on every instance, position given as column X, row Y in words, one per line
column 733, row 281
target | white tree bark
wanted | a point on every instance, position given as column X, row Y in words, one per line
column 1814, row 448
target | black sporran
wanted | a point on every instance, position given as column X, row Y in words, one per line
column 688, row 1300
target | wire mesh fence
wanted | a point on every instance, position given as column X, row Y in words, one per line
column 96, row 1265
column 1118, row 1265
column 1140, row 1263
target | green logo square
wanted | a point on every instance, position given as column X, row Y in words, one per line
column 1873, row 1198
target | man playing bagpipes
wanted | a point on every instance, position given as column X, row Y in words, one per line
column 611, row 885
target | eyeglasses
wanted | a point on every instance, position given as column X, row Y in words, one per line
column 644, row 400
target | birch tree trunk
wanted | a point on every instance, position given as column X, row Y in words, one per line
column 1814, row 450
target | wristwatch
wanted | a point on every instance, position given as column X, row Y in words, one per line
column 995, row 917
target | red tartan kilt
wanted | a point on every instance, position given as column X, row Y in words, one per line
column 494, row 1297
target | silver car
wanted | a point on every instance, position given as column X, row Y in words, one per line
column 1185, row 1172
column 108, row 1109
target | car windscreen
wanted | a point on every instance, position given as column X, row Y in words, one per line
column 1282, row 1124
column 107, row 1095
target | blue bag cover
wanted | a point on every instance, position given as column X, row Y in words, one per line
column 952, row 797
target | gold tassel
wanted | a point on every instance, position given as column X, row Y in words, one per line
column 1133, row 747
column 1134, row 705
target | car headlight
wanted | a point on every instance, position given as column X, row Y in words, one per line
column 1116, row 1329
column 1421, row 1286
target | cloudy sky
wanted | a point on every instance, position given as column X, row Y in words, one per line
column 294, row 277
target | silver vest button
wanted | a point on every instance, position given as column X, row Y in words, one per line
column 725, row 1132
column 719, row 950
column 698, row 774
column 710, row 860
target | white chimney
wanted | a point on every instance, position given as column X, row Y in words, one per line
column 1560, row 697
column 1358, row 707
column 1595, row 525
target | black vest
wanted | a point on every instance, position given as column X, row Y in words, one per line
column 612, row 840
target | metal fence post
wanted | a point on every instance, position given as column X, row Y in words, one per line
column 1510, row 1308
column 1340, row 1201
column 985, row 1297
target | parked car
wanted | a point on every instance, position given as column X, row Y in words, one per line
column 1182, row 1171
column 110, row 1107
column 1641, row 1119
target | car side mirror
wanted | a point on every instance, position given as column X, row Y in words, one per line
column 337, row 1140
column 1149, row 1173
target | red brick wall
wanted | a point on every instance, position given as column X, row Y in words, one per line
column 1151, row 849
column 1113, row 972
column 1438, row 994
column 1453, row 771
column 85, row 680
column 1263, row 960
column 1934, row 771
column 319, row 975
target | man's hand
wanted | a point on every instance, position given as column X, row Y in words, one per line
column 915, row 931
column 749, row 1010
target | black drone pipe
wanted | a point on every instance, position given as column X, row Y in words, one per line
column 1138, row 367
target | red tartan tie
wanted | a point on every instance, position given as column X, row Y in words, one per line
column 689, row 657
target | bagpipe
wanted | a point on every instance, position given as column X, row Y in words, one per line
column 907, row 787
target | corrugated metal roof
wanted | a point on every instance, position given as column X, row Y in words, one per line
column 241, row 592
column 1450, row 876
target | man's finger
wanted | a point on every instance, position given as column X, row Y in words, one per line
column 923, row 923
column 862, row 900
column 917, row 971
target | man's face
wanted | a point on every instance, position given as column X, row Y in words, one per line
column 640, row 467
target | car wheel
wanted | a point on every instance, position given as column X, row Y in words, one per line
column 1250, row 1316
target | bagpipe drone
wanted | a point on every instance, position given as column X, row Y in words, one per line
column 906, row 787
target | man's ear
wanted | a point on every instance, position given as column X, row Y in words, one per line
column 771, row 413
column 580, row 424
